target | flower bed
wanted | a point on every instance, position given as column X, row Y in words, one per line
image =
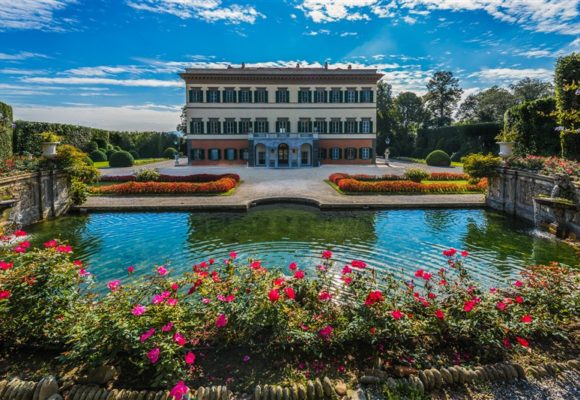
column 221, row 185
column 433, row 176
column 164, row 327
column 196, row 178
column 550, row 166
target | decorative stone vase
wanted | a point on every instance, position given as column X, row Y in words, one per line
column 505, row 149
column 49, row 149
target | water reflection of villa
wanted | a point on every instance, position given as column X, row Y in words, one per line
column 280, row 117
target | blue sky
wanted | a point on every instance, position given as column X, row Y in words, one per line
column 114, row 63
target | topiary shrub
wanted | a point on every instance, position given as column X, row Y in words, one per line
column 102, row 143
column 98, row 156
column 109, row 153
column 147, row 175
column 481, row 165
column 438, row 158
column 92, row 146
column 135, row 154
column 169, row 152
column 416, row 174
column 117, row 148
column 121, row 159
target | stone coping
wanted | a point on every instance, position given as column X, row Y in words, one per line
column 13, row 178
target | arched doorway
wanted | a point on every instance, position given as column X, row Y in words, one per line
column 305, row 155
column 283, row 154
column 260, row 155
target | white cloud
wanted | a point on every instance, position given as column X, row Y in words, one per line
column 559, row 16
column 512, row 74
column 104, row 70
column 138, row 117
column 15, row 71
column 23, row 55
column 33, row 14
column 345, row 34
column 535, row 53
column 105, row 81
column 409, row 20
column 208, row 10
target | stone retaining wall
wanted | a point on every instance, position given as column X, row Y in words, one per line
column 513, row 192
column 37, row 196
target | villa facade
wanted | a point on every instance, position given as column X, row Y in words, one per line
column 280, row 117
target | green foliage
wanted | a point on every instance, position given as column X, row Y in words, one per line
column 121, row 159
column 82, row 174
column 438, row 158
column 93, row 146
column 416, row 174
column 533, row 127
column 169, row 152
column 5, row 131
column 101, row 142
column 443, row 93
column 567, row 80
column 98, row 156
column 481, row 165
column 463, row 138
column 27, row 135
column 529, row 89
column 135, row 154
column 50, row 137
column 109, row 153
column 486, row 106
column 147, row 175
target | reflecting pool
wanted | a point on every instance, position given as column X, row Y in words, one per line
column 390, row 240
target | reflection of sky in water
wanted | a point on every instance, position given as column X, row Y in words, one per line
column 394, row 240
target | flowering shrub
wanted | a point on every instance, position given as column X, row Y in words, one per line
column 196, row 178
column 161, row 325
column 353, row 185
column 219, row 186
column 433, row 176
column 448, row 176
column 15, row 165
column 547, row 165
column 416, row 174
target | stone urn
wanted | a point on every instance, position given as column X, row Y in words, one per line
column 49, row 149
column 505, row 149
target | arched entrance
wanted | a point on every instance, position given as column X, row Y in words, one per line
column 283, row 154
column 260, row 155
column 305, row 155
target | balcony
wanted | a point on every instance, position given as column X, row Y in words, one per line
column 282, row 135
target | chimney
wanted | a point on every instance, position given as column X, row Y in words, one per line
column 326, row 65
column 297, row 65
column 243, row 65
column 349, row 66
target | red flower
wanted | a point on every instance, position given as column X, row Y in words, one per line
column 189, row 358
column 450, row 252
column 439, row 314
column 64, row 249
column 468, row 306
column 278, row 281
column 519, row 299
column 518, row 284
column 464, row 253
column 4, row 294
column 324, row 295
column 273, row 295
column 419, row 273
column 432, row 295
column 443, row 282
column 233, row 255
column 153, row 355
column 358, row 264
column 4, row 266
column 221, row 321
column 374, row 297
column 179, row 339
column 346, row 279
column 114, row 285
column 326, row 254
column 293, row 266
column 299, row 274
column 147, row 335
column 396, row 314
column 373, row 330
column 180, row 389
column 346, row 270
column 523, row 342
column 51, row 244
column 326, row 332
column 131, row 269
column 290, row 293
column 501, row 305
column 506, row 343
column 426, row 276
column 19, row 233
column 526, row 319
column 256, row 265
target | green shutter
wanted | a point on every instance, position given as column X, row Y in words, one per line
column 277, row 96
column 372, row 94
column 239, row 96
column 356, row 96
column 255, row 96
column 371, row 127
column 360, row 154
column 191, row 96
column 360, row 127
column 277, row 126
column 223, row 95
column 266, row 96
column 219, row 154
column 341, row 97
column 288, row 126
column 218, row 96
column 207, row 96
column 325, row 96
column 190, row 127
column 202, row 154
column 287, row 96
column 340, row 153
column 300, row 96
column 310, row 96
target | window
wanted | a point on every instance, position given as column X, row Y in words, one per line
column 245, row 96
column 261, row 96
column 197, row 154
column 351, row 96
column 365, row 126
column 320, row 125
column 261, row 125
column 229, row 95
column 366, row 96
column 213, row 96
column 304, row 125
column 365, row 153
column 320, row 96
column 214, row 154
column 245, row 126
column 304, row 96
column 350, row 153
column 283, row 125
column 350, row 126
column 335, row 153
column 322, row 154
column 335, row 125
column 261, row 157
column 195, row 95
column 335, row 96
column 196, row 126
column 282, row 95
column 245, row 154
column 230, row 154
column 230, row 126
column 213, row 126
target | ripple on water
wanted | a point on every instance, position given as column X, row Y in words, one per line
column 396, row 241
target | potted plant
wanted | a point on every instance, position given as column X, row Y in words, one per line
column 49, row 143
column 506, row 140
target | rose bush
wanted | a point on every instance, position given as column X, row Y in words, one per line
column 162, row 324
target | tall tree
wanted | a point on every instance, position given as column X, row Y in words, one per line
column 531, row 89
column 409, row 113
column 385, row 120
column 486, row 106
column 443, row 93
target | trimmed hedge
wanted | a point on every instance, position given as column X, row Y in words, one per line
column 169, row 152
column 461, row 139
column 534, row 127
column 135, row 154
column 566, row 79
column 5, row 131
column 438, row 158
column 121, row 159
column 98, row 156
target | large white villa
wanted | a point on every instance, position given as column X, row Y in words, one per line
column 280, row 117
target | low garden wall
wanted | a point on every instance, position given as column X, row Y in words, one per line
column 513, row 191
column 32, row 197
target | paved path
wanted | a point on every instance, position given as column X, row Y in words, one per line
column 262, row 186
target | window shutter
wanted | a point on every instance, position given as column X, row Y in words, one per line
column 207, row 96
column 371, row 127
column 341, row 96
column 323, row 154
column 288, row 129
column 267, row 126
column 360, row 153
column 325, row 96
column 235, row 154
column 277, row 126
column 277, row 96
column 255, row 96
column 341, row 127
column 207, row 127
column 219, row 154
column 202, row 154
column 287, row 96
column 371, row 96
column 239, row 96
column 191, row 96
column 224, row 95
column 266, row 93
column 340, row 154
column 310, row 96
column 190, row 127
column 218, row 96
column 356, row 96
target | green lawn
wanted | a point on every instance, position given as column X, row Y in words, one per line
column 422, row 161
column 143, row 161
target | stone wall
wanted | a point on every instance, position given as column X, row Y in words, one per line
column 37, row 196
column 513, row 191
